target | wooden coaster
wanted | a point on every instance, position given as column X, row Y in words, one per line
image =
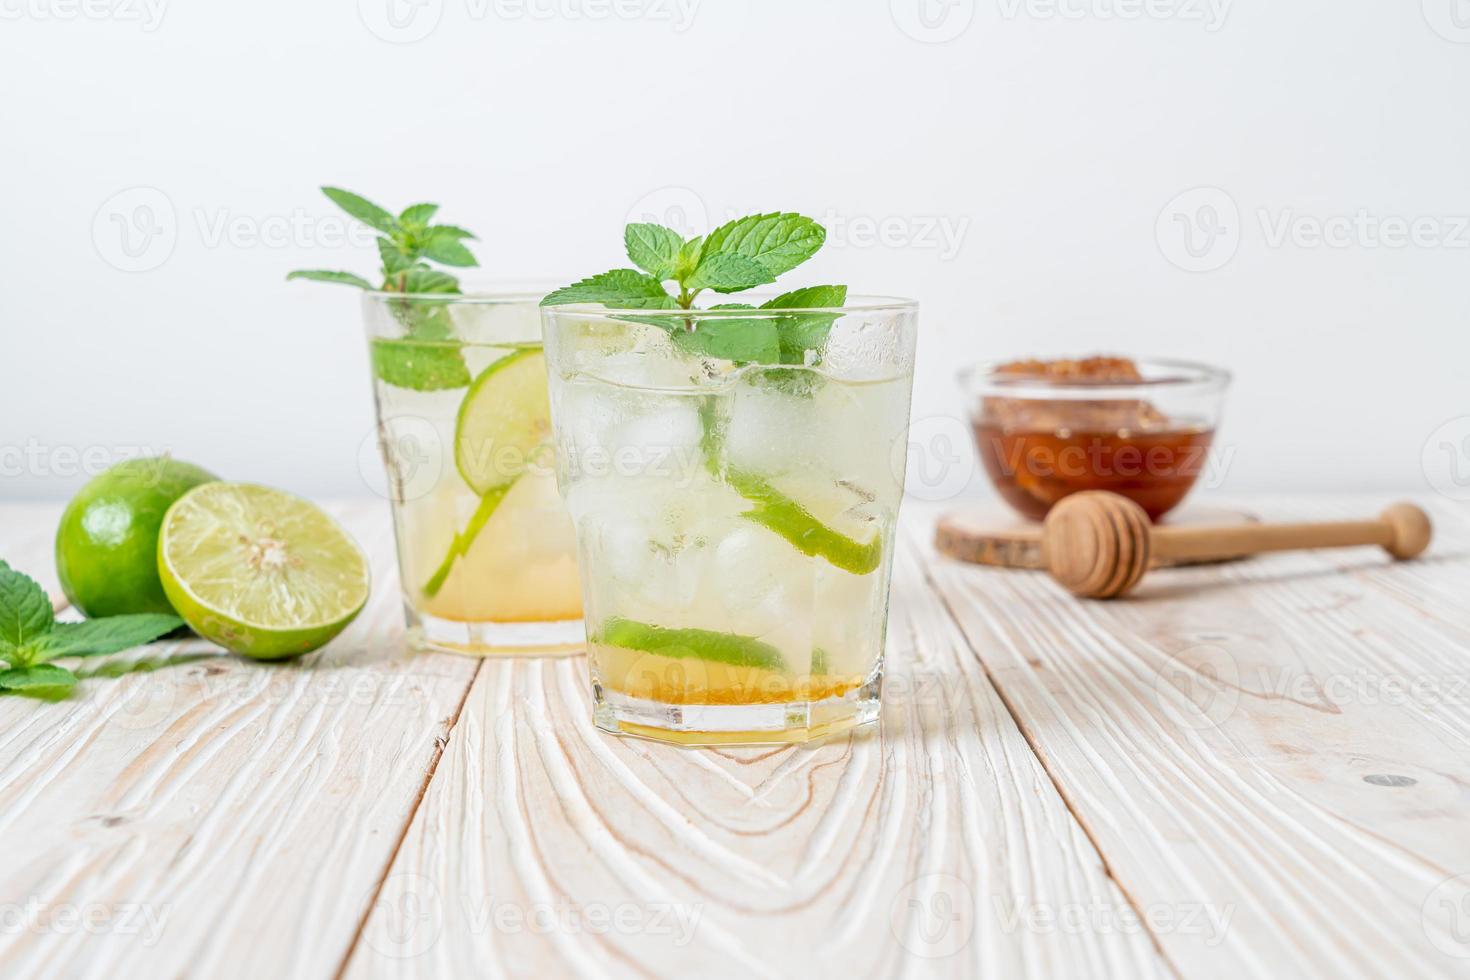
column 992, row 535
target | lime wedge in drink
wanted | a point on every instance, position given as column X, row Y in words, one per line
column 259, row 571
column 810, row 526
column 725, row 648
column 503, row 421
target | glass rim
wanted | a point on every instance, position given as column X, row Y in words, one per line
column 1194, row 377
column 858, row 304
column 485, row 297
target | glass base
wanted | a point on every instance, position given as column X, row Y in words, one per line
column 557, row 639
column 735, row 724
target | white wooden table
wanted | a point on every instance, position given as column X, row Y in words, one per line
column 1247, row 770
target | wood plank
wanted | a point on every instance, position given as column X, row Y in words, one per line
column 936, row 845
column 216, row 817
column 1277, row 747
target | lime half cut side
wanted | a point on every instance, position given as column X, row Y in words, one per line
column 503, row 422
column 259, row 571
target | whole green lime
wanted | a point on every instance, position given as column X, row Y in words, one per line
column 107, row 544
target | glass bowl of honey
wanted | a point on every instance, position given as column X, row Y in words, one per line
column 1046, row 429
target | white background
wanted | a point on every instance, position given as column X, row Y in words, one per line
column 1052, row 140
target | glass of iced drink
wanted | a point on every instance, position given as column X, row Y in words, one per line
column 486, row 553
column 734, row 520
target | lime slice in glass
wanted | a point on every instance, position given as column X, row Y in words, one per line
column 724, row 648
column 503, row 421
column 259, row 571
column 815, row 525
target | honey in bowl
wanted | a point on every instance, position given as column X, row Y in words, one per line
column 1048, row 429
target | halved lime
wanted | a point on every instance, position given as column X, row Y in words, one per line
column 858, row 552
column 503, row 421
column 259, row 571
column 724, row 648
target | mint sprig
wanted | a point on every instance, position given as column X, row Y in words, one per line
column 407, row 244
column 741, row 254
column 30, row 635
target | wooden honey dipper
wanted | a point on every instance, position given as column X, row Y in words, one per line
column 1098, row 544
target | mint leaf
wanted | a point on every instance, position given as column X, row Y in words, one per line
column 362, row 209
column 740, row 339
column 25, row 614
column 688, row 258
column 626, row 288
column 727, row 272
column 802, row 332
column 422, row 279
column 420, row 365
column 418, row 214
column 40, row 676
column 394, row 258
column 323, row 275
column 450, row 231
column 94, row 637
column 778, row 241
column 653, row 248
column 448, row 250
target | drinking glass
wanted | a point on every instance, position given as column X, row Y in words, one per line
column 734, row 521
column 486, row 553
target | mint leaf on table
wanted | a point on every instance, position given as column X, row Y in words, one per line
column 25, row 613
column 37, row 677
column 324, row 275
column 30, row 635
column 406, row 246
column 653, row 248
column 110, row 634
column 779, row 241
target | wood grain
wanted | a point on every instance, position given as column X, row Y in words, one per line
column 1276, row 747
column 213, row 816
column 865, row 855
